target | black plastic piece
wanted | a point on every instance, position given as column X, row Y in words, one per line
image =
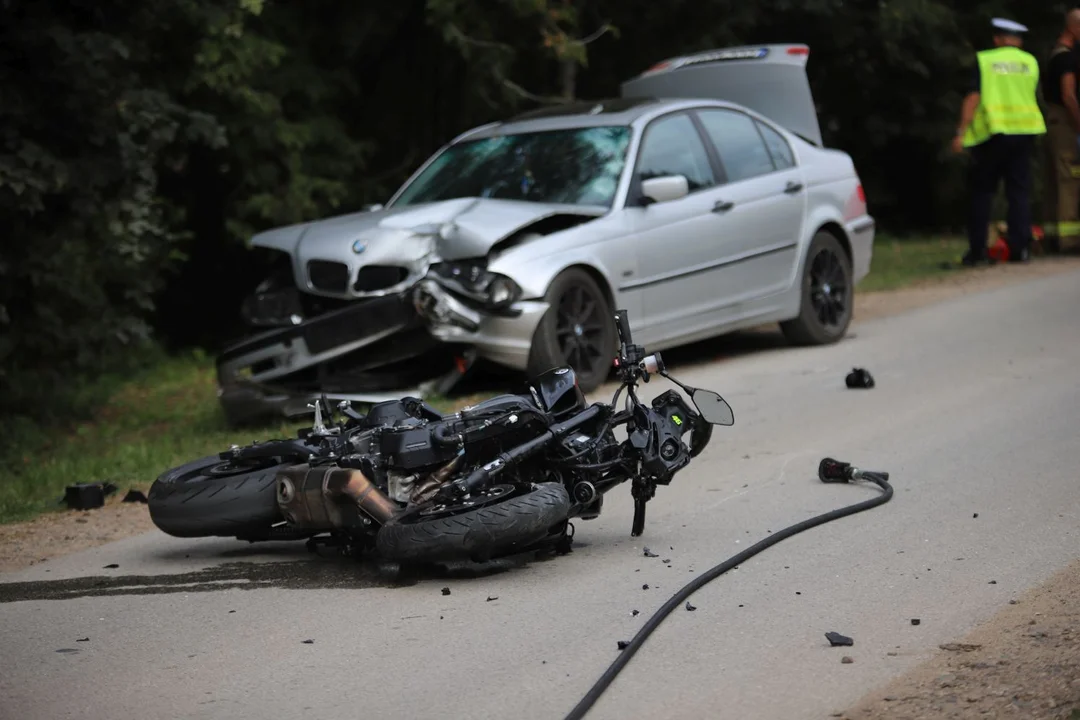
column 84, row 496
column 836, row 639
column 559, row 393
column 413, row 448
column 860, row 378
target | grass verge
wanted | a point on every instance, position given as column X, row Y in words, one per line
column 169, row 414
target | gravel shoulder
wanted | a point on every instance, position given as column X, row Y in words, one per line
column 1024, row 663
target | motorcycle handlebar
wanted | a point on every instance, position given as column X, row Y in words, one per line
column 623, row 322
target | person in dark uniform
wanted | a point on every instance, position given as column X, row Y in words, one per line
column 998, row 124
column 1059, row 89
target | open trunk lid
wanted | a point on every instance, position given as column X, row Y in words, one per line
column 768, row 79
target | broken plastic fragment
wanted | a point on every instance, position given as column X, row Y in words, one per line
column 645, row 586
column 650, row 553
column 135, row 496
column 623, row 644
column 915, row 621
column 975, row 515
column 667, row 561
column 309, row 642
column 83, row 640
column 446, row 591
column 835, row 639
column 859, row 378
column 847, row 659
column 111, row 566
column 633, row 613
column 690, row 607
column 492, row 598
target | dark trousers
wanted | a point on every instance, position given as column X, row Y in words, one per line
column 1008, row 157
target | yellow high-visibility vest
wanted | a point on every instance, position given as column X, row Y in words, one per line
column 1008, row 101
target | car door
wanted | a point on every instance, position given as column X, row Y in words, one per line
column 766, row 190
column 679, row 243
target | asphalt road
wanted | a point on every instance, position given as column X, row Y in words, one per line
column 975, row 411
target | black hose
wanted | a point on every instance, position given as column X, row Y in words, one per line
column 878, row 478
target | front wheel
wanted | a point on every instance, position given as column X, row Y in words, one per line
column 493, row 522
column 578, row 331
column 828, row 295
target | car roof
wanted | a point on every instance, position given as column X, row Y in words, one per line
column 604, row 112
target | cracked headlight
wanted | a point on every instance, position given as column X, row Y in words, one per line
column 473, row 281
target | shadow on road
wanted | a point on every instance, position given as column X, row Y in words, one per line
column 327, row 571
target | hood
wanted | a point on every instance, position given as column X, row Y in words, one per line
column 386, row 251
column 768, row 79
column 454, row 229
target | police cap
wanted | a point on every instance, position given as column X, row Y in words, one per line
column 1008, row 27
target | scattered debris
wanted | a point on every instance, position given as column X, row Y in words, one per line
column 836, row 639
column 975, row 515
column 67, row 650
column 623, row 644
column 231, row 612
column 690, row 607
column 650, row 553
column 992, row 582
column 645, row 586
column 740, row 606
column 798, row 593
column 111, row 566
column 847, row 659
column 634, row 613
column 135, row 496
column 959, row 647
column 83, row 640
column 492, row 598
column 446, row 591
column 892, row 654
column 309, row 642
column 915, row 621
column 667, row 561
column 859, row 378
column 87, row 496
column 1012, row 602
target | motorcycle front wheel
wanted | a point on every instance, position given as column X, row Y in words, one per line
column 493, row 522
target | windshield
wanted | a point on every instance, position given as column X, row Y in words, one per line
column 581, row 166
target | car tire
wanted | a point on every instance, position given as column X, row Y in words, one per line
column 827, row 295
column 579, row 320
column 205, row 498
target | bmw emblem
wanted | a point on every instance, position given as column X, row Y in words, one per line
column 358, row 246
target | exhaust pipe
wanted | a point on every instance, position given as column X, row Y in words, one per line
column 330, row 497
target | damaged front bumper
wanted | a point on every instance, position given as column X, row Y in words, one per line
column 418, row 342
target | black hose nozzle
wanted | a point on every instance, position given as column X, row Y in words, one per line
column 834, row 471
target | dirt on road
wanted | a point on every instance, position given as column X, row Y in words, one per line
column 1024, row 663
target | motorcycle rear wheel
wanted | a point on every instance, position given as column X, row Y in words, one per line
column 500, row 521
column 210, row 497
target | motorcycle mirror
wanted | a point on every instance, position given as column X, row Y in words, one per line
column 713, row 408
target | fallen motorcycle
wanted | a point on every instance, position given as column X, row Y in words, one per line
column 499, row 478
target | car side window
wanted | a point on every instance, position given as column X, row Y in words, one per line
column 672, row 146
column 735, row 136
column 779, row 148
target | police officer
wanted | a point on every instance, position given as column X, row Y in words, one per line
column 998, row 123
column 1059, row 90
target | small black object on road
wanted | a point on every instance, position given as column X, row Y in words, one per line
column 860, row 378
column 836, row 639
column 135, row 496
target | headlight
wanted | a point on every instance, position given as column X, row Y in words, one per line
column 474, row 281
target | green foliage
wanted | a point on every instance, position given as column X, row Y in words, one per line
column 141, row 145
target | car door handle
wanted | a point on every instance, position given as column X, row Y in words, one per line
column 722, row 206
column 793, row 187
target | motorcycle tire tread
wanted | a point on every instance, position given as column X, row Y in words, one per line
column 185, row 503
column 486, row 532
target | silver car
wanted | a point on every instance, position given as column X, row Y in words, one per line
column 701, row 201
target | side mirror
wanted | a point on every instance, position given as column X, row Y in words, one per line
column 666, row 188
column 375, row 207
column 713, row 408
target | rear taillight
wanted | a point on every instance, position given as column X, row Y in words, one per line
column 861, row 193
column 798, row 50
